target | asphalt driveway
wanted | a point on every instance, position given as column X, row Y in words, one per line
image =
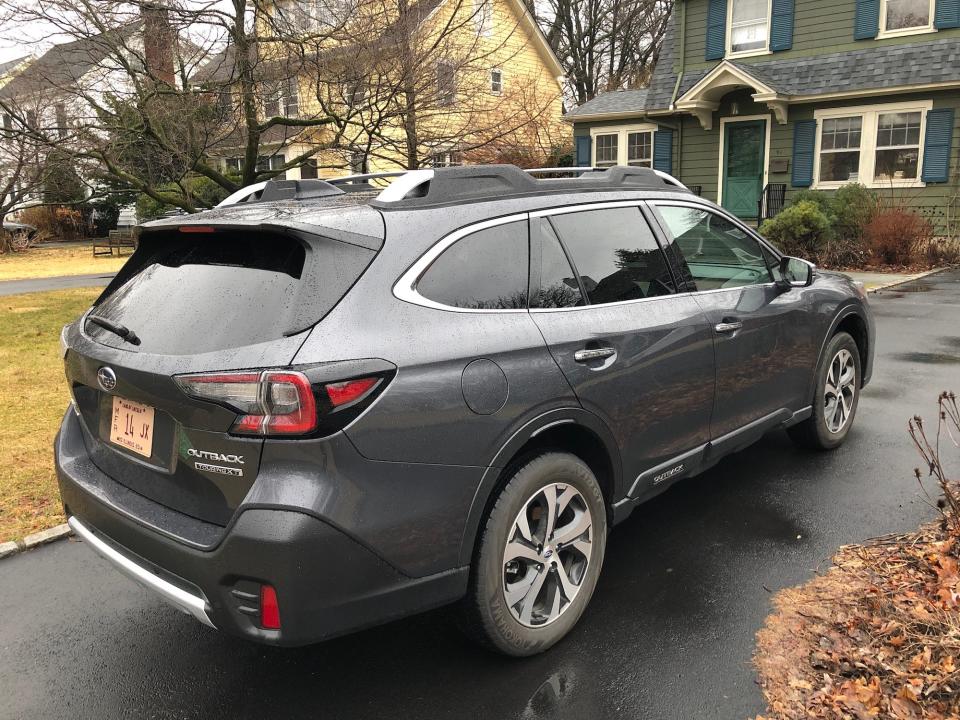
column 669, row 633
column 61, row 282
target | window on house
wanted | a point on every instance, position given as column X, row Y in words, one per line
column 840, row 149
column 225, row 102
column 496, row 81
column 446, row 158
column 906, row 15
column 281, row 97
column 358, row 163
column 640, row 149
column 7, row 122
column 898, row 146
column 446, row 82
column 748, row 25
column 266, row 163
column 308, row 171
column 291, row 98
column 483, row 16
column 879, row 145
column 605, row 154
column 62, row 122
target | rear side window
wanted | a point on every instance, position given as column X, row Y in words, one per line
column 615, row 253
column 718, row 253
column 486, row 270
column 198, row 293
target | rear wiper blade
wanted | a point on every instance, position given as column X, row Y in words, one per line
column 122, row 331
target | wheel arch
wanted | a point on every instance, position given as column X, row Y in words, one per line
column 850, row 320
column 572, row 430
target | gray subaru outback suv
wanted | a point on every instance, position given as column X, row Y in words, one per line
column 317, row 408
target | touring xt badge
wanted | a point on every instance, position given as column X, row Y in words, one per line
column 219, row 457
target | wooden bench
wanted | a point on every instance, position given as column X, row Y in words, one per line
column 115, row 240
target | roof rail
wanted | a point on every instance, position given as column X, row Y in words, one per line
column 414, row 188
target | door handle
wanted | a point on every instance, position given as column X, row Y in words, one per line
column 728, row 326
column 593, row 354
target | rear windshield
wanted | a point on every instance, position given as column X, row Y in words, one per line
column 189, row 294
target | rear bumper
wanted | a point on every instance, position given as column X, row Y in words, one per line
column 327, row 583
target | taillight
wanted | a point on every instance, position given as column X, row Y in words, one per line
column 282, row 402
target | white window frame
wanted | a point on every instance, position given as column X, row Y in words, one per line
column 765, row 50
column 500, row 72
column 870, row 115
column 920, row 30
column 623, row 132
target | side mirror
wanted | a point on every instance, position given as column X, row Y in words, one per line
column 795, row 272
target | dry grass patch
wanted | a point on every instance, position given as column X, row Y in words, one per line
column 40, row 262
column 34, row 392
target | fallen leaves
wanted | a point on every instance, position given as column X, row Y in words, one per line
column 876, row 636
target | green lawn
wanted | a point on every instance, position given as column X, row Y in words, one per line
column 33, row 393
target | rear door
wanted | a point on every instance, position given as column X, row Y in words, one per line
column 763, row 336
column 218, row 301
column 636, row 353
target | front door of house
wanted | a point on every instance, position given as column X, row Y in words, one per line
column 743, row 164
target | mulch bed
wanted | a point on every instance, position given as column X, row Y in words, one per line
column 876, row 636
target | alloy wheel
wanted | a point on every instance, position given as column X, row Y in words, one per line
column 547, row 554
column 839, row 392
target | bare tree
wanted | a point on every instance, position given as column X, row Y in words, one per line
column 605, row 44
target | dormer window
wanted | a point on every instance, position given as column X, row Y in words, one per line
column 905, row 17
column 748, row 26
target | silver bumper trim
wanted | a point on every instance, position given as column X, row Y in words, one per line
column 178, row 597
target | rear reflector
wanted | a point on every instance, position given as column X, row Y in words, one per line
column 343, row 393
column 269, row 608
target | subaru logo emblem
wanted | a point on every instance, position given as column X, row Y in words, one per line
column 107, row 378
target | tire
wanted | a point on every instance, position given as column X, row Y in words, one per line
column 825, row 429
column 542, row 612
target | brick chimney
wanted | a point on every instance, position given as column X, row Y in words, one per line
column 158, row 40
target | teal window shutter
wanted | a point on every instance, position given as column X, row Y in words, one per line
column 936, row 146
column 663, row 151
column 716, row 30
column 781, row 25
column 867, row 22
column 947, row 14
column 804, row 142
column 584, row 150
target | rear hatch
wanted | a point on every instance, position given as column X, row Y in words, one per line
column 198, row 299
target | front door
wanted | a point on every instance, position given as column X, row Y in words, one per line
column 762, row 335
column 636, row 353
column 743, row 164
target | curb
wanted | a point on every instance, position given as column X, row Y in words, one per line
column 9, row 549
column 922, row 275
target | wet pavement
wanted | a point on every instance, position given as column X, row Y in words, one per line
column 61, row 282
column 669, row 633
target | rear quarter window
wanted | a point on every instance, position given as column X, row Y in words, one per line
column 486, row 270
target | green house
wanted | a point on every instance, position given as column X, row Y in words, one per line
column 754, row 100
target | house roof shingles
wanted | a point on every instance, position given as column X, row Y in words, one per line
column 871, row 68
column 618, row 101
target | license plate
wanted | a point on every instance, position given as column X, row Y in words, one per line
column 132, row 426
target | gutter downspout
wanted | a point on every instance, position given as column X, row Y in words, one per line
column 676, row 86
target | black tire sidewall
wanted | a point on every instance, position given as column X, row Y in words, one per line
column 502, row 630
column 825, row 438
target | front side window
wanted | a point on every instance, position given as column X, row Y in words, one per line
column 615, row 254
column 906, row 15
column 840, row 149
column 748, row 25
column 718, row 253
column 640, row 149
column 606, row 150
column 483, row 271
column 898, row 147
